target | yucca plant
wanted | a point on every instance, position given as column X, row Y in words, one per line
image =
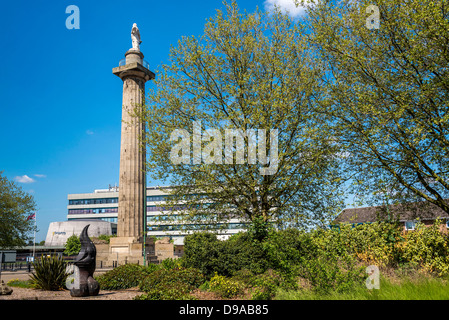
column 49, row 273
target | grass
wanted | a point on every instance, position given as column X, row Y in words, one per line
column 19, row 283
column 421, row 288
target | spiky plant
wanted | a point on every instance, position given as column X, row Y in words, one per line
column 49, row 273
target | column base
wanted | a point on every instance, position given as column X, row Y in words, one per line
column 124, row 250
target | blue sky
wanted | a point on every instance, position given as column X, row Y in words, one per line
column 60, row 105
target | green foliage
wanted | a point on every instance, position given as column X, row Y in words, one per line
column 49, row 273
column 201, row 251
column 242, row 74
column 171, row 263
column 106, row 237
column 15, row 206
column 125, row 276
column 328, row 259
column 72, row 246
column 283, row 250
column 388, row 94
column 428, row 248
column 241, row 251
column 373, row 243
column 170, row 284
column 205, row 252
column 225, row 287
column 265, row 285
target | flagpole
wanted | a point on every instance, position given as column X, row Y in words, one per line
column 34, row 241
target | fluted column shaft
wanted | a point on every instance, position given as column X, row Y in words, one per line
column 132, row 161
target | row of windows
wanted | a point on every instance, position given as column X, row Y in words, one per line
column 93, row 201
column 166, row 197
column 163, row 218
column 113, row 220
column 157, row 198
column 113, row 210
column 159, row 208
column 111, row 200
column 97, row 210
column 114, row 200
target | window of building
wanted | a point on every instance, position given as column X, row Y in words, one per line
column 410, row 225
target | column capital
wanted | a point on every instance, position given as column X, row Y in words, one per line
column 134, row 67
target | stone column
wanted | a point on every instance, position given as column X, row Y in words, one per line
column 132, row 188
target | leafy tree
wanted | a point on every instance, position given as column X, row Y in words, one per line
column 15, row 208
column 72, row 246
column 388, row 89
column 247, row 72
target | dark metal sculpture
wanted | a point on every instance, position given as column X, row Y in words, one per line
column 85, row 261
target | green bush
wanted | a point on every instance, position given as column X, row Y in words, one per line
column 265, row 285
column 125, row 276
column 428, row 248
column 170, row 284
column 171, row 263
column 205, row 252
column 283, row 250
column 241, row 251
column 72, row 245
column 225, row 287
column 201, row 251
column 49, row 273
column 371, row 243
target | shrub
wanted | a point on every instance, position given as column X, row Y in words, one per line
column 283, row 250
column 265, row 285
column 225, row 287
column 428, row 248
column 49, row 273
column 327, row 264
column 241, row 251
column 173, row 291
column 170, row 284
column 372, row 243
column 201, row 250
column 205, row 252
column 171, row 263
column 244, row 276
column 125, row 276
column 72, row 245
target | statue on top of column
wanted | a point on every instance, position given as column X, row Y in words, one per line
column 135, row 37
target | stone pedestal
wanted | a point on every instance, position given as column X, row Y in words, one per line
column 163, row 249
column 126, row 250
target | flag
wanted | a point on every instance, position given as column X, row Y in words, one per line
column 31, row 216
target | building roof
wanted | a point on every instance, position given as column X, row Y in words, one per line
column 403, row 212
